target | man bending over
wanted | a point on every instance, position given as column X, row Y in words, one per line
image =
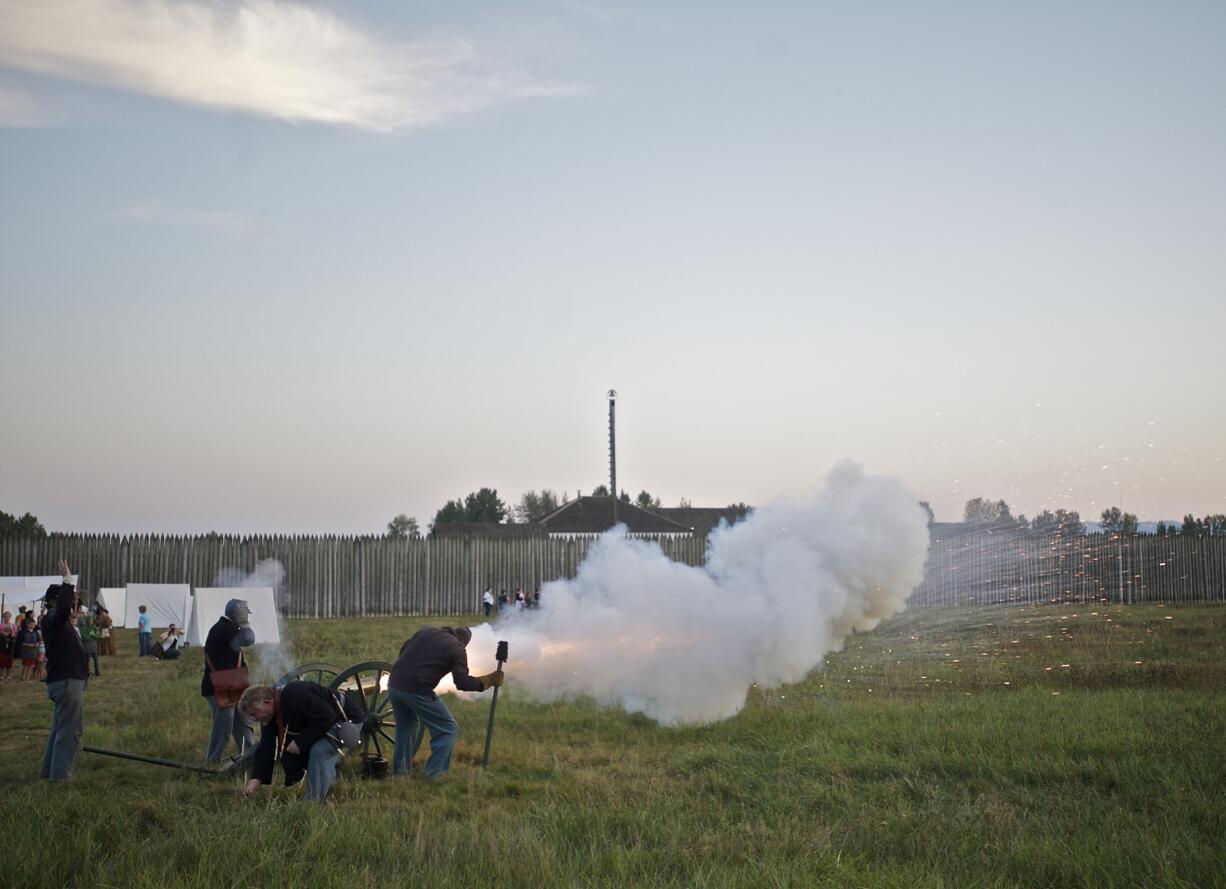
column 424, row 660
column 298, row 722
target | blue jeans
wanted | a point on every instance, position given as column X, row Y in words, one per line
column 321, row 769
column 144, row 638
column 415, row 714
column 67, row 723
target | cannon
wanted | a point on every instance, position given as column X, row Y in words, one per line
column 363, row 684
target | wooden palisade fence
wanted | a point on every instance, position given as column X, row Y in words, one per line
column 332, row 576
column 326, row 576
column 986, row 568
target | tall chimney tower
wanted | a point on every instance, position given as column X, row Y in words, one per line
column 613, row 448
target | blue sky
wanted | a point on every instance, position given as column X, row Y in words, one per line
column 303, row 266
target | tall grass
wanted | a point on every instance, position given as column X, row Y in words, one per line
column 1051, row 746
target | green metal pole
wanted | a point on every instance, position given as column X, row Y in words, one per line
column 501, row 656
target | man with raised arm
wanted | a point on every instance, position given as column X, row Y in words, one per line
column 67, row 669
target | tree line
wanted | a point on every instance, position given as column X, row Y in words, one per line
column 484, row 506
column 986, row 513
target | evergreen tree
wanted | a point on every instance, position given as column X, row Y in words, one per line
column 979, row 511
column 1117, row 522
column 14, row 528
column 647, row 502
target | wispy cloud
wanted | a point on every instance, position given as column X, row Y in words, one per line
column 160, row 214
column 268, row 57
column 18, row 108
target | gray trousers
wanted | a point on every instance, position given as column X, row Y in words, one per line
column 227, row 722
column 67, row 723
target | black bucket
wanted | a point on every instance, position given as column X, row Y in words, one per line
column 373, row 766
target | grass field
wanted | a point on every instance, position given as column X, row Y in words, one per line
column 1052, row 746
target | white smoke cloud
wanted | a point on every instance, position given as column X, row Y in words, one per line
column 268, row 573
column 287, row 60
column 273, row 660
column 779, row 591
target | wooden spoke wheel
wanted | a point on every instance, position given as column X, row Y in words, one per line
column 321, row 673
column 366, row 686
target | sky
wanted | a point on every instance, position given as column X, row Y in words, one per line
column 302, row 266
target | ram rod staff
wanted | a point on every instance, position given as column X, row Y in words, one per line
column 501, row 657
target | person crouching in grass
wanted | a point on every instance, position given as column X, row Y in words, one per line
column 297, row 720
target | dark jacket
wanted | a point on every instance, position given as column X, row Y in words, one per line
column 426, row 658
column 222, row 646
column 308, row 711
column 65, row 655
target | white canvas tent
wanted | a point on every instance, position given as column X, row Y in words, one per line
column 27, row 591
column 113, row 599
column 209, row 604
column 167, row 603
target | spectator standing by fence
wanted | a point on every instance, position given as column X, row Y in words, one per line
column 40, row 660
column 67, row 670
column 89, row 632
column 8, row 641
column 487, row 601
column 27, row 648
column 106, row 632
column 144, row 630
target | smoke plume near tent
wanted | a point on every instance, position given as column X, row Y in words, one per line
column 275, row 658
column 779, row 591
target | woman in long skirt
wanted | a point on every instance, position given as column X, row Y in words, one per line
column 106, row 643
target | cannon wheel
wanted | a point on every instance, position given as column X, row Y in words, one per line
column 324, row 674
column 366, row 685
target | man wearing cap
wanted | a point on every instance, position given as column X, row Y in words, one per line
column 67, row 670
column 424, row 660
column 222, row 651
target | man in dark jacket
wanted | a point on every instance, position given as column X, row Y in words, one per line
column 67, row 670
column 223, row 649
column 424, row 660
column 297, row 722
